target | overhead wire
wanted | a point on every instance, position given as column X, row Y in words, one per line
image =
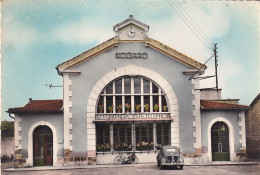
column 202, row 66
column 198, row 32
column 190, row 27
column 205, row 36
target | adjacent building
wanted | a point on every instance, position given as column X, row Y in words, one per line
column 129, row 94
column 253, row 128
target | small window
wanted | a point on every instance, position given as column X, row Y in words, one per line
column 118, row 85
column 127, row 85
column 109, row 104
column 100, row 105
column 103, row 137
column 163, row 134
column 109, row 89
column 144, row 137
column 137, row 85
column 119, row 104
column 122, row 137
column 146, row 86
column 137, row 104
column 155, row 89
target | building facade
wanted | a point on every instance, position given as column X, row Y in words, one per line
column 128, row 94
column 253, row 128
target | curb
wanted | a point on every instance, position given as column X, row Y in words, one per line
column 45, row 168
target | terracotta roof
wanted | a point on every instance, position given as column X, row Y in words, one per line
column 205, row 104
column 39, row 106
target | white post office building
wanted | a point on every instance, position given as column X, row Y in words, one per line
column 128, row 94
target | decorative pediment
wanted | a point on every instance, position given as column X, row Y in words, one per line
column 131, row 29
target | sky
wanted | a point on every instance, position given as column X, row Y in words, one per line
column 37, row 35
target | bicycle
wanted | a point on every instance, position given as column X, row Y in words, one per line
column 131, row 158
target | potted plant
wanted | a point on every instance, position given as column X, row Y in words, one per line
column 146, row 107
column 103, row 147
column 123, row 147
column 164, row 108
column 101, row 108
column 144, row 146
column 155, row 107
column 137, row 107
column 127, row 106
column 119, row 107
column 110, row 108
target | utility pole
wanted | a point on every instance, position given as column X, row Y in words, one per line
column 216, row 64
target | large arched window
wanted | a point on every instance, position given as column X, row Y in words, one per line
column 132, row 94
column 132, row 114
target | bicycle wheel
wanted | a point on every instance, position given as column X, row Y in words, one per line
column 118, row 160
column 134, row 160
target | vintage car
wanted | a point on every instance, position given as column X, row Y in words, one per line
column 170, row 156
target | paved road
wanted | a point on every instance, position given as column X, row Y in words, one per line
column 151, row 170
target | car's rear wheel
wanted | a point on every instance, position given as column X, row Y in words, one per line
column 181, row 167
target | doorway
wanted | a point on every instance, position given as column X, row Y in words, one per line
column 220, row 142
column 42, row 146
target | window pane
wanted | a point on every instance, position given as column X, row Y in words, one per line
column 155, row 89
column 144, row 136
column 163, row 134
column 127, row 85
column 146, row 86
column 164, row 104
column 100, row 108
column 102, row 136
column 127, row 103
column 118, row 104
column 122, row 137
column 109, row 103
column 118, row 86
column 137, row 85
column 146, row 103
column 137, row 104
column 156, row 103
column 109, row 89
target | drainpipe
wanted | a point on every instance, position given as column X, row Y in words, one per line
column 11, row 116
column 58, row 71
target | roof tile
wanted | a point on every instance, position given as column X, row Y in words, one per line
column 205, row 104
column 39, row 106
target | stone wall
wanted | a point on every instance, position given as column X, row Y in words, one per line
column 253, row 129
column 7, row 146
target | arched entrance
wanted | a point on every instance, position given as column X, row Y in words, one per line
column 42, row 146
column 220, row 142
column 130, row 70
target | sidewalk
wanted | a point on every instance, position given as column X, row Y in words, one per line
column 43, row 168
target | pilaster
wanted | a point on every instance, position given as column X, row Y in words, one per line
column 67, row 93
column 196, row 114
column 18, row 131
column 242, row 129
